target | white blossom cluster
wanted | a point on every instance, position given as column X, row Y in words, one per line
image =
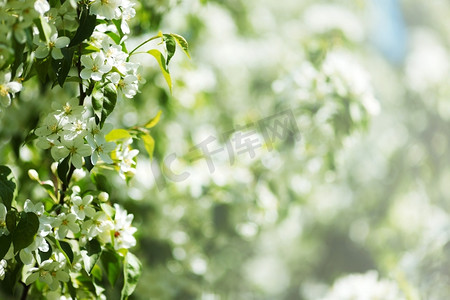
column 81, row 217
column 68, row 131
column 364, row 287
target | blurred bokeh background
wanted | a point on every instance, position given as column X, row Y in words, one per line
column 351, row 200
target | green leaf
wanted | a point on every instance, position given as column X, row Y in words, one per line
column 101, row 182
column 31, row 136
column 109, row 102
column 42, row 66
column 132, row 269
column 117, row 134
column 67, row 248
column 44, row 29
column 25, row 231
column 7, row 186
column 154, row 120
column 72, row 290
column 84, row 31
column 63, row 169
column 65, row 65
column 11, row 221
column 118, row 24
column 45, row 255
column 111, row 264
column 91, row 255
column 114, row 36
column 182, row 43
column 88, row 48
column 149, row 144
column 5, row 243
column 162, row 64
column 171, row 46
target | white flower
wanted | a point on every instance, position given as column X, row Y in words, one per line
column 125, row 156
column 51, row 272
column 99, row 224
column 3, row 229
column 3, row 265
column 75, row 129
column 65, row 223
column 94, row 66
column 26, row 254
column 51, row 129
column 81, row 207
column 128, row 13
column 109, row 9
column 123, row 231
column 8, row 88
column 70, row 111
column 101, row 149
column 41, row 6
column 114, row 54
column 52, row 46
column 94, row 130
column 76, row 148
column 128, row 86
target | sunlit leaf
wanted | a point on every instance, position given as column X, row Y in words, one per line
column 162, row 64
column 182, row 43
column 149, row 144
column 154, row 120
column 117, row 134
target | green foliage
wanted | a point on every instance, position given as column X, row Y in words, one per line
column 132, row 269
column 7, row 186
column 26, row 230
column 162, row 65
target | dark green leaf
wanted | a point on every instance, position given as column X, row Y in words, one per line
column 84, row 31
column 109, row 102
column 45, row 255
column 91, row 256
column 72, row 290
column 171, row 46
column 182, row 43
column 25, row 231
column 111, row 264
column 11, row 221
column 132, row 270
column 5, row 243
column 63, row 169
column 42, row 66
column 88, row 163
column 65, row 65
column 30, row 137
column 101, row 182
column 7, row 186
column 67, row 248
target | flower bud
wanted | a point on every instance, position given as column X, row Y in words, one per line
column 33, row 174
column 103, row 197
